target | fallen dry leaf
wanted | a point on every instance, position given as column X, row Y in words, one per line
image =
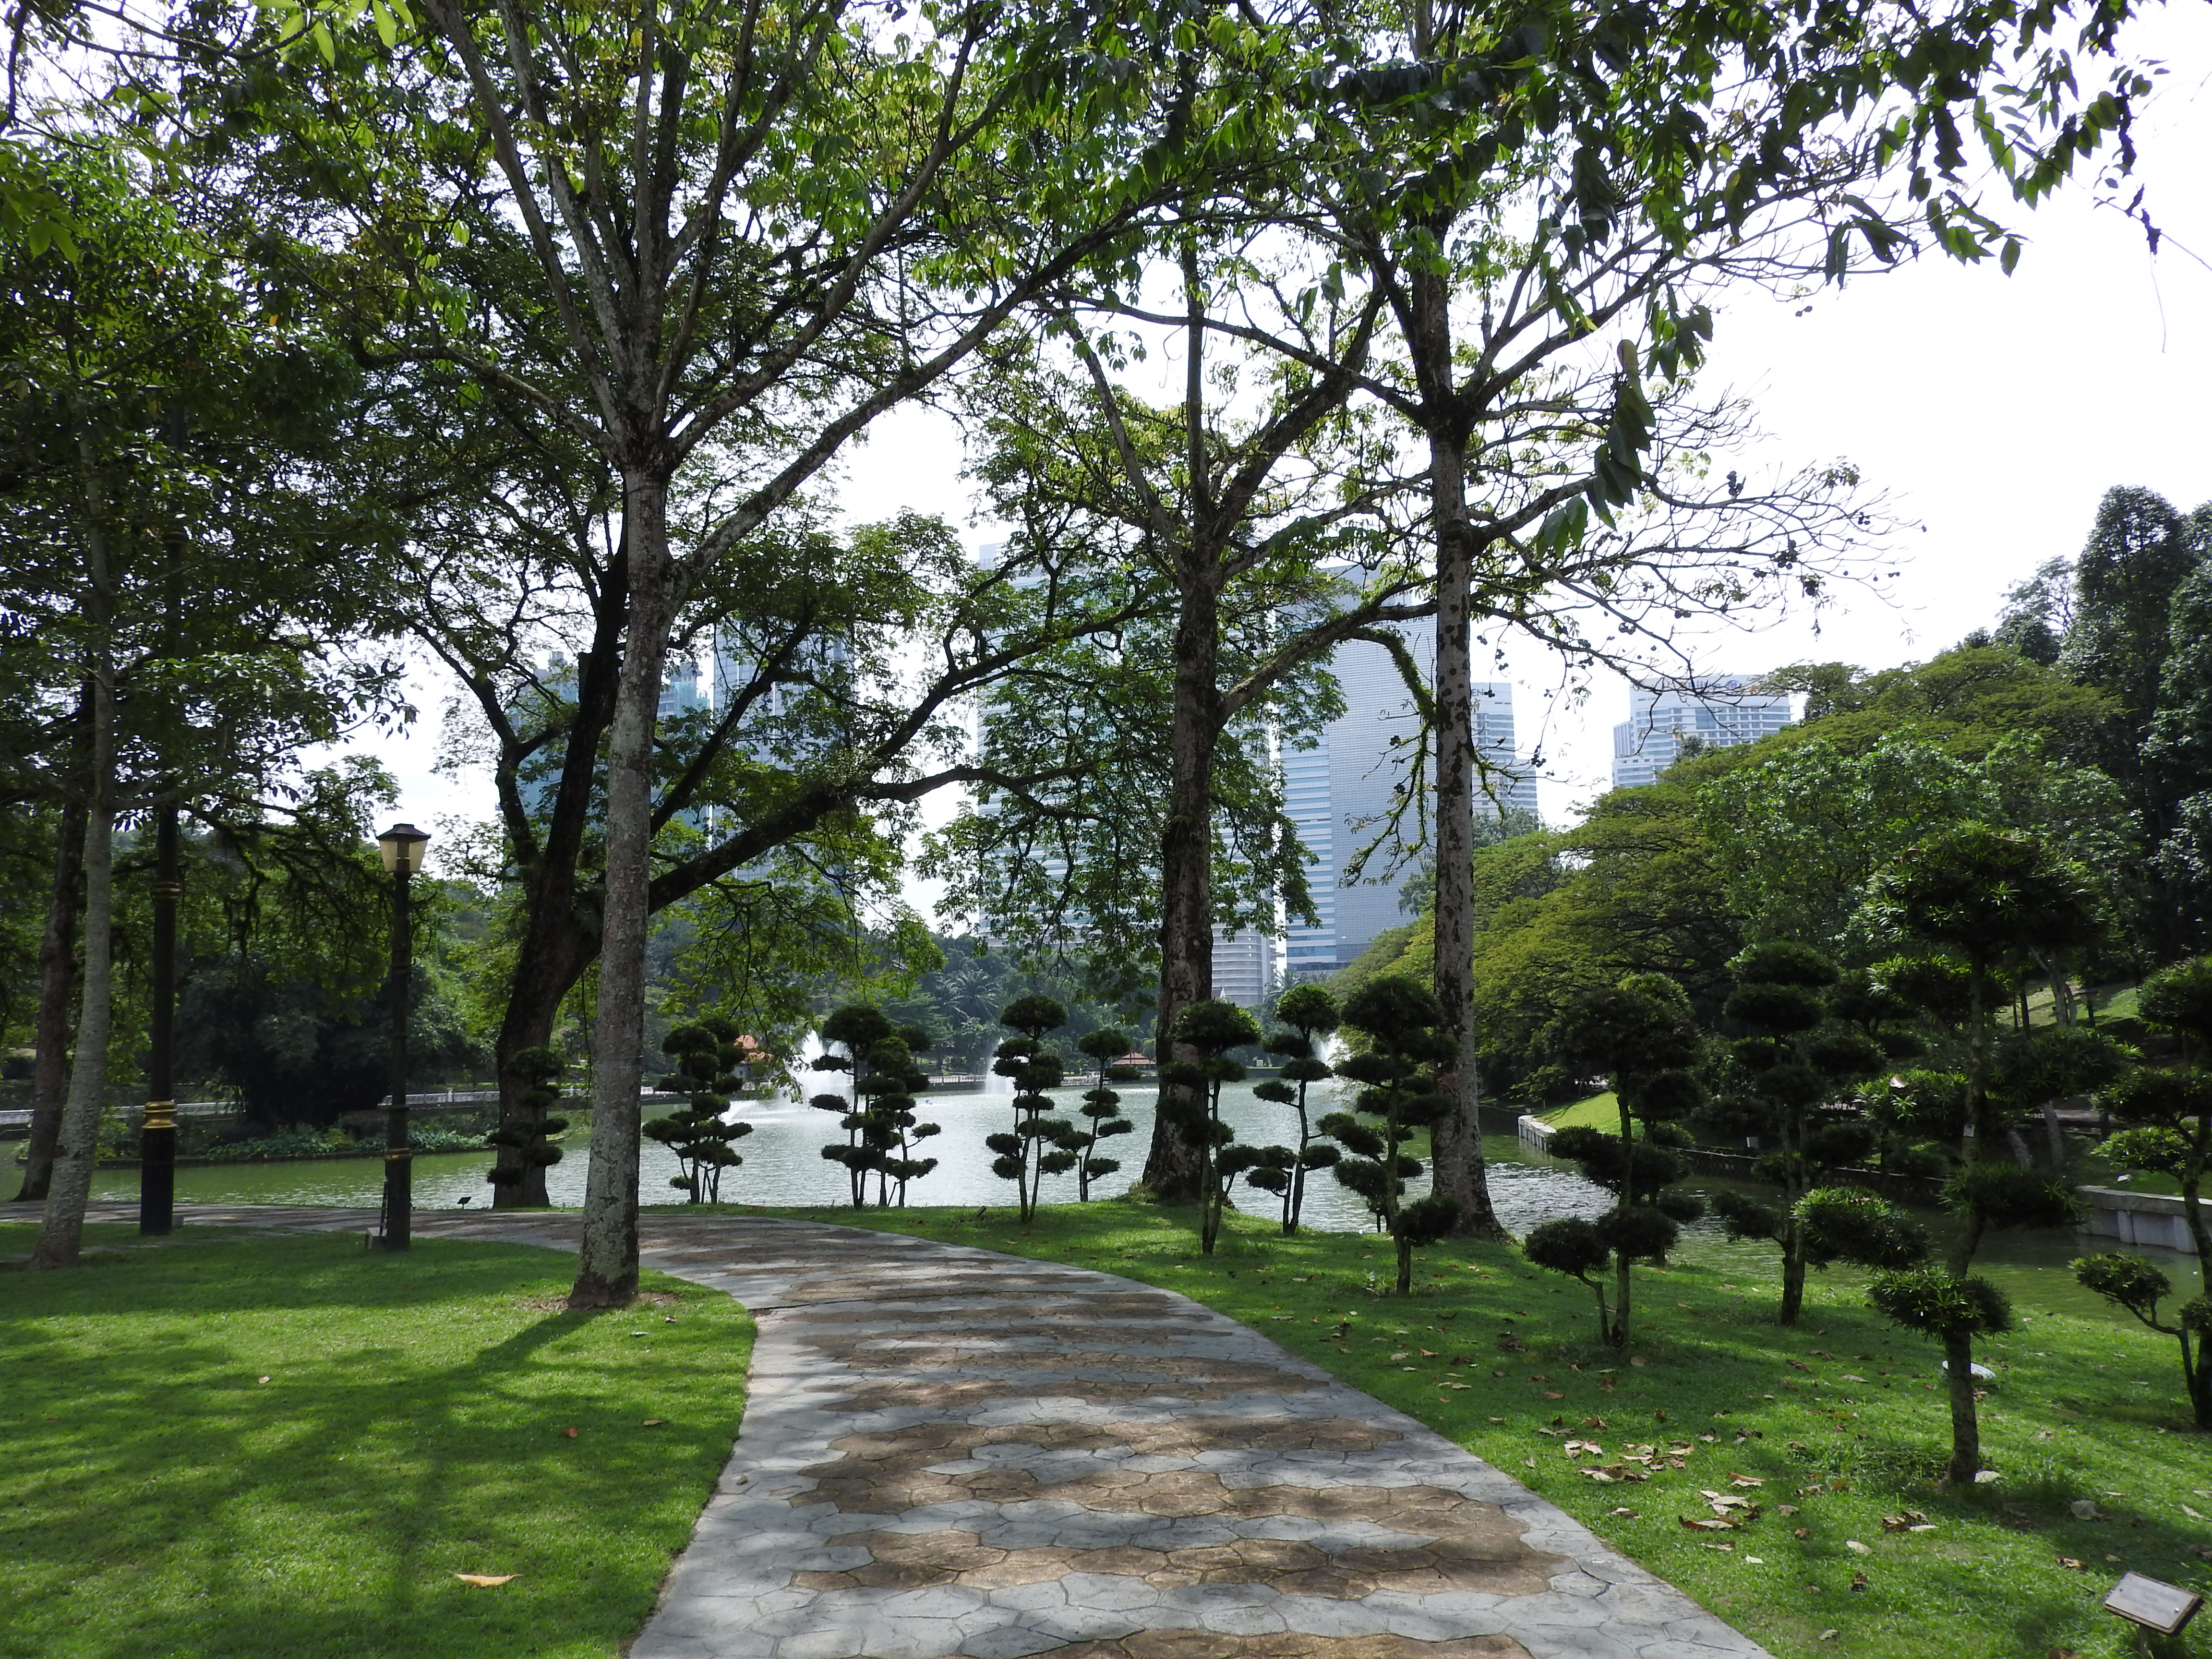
column 1858, row 1581
column 571, row 1433
column 486, row 1580
column 264, row 1379
column 2072, row 1564
column 652, row 1422
column 1801, row 1532
column 1548, row 1395
column 1855, row 1547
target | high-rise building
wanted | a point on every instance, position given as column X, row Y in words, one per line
column 1244, row 966
column 680, row 693
column 1720, row 712
column 1341, row 791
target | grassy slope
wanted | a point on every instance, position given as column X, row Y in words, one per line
column 243, row 1446
column 2080, row 1410
column 1596, row 1112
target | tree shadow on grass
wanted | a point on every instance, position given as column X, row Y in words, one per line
column 412, row 1428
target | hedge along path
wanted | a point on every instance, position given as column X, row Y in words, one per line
column 951, row 1451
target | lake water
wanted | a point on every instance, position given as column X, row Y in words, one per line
column 784, row 1165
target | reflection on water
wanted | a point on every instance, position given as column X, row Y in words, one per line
column 784, row 1166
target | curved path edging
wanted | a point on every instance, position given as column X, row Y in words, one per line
column 950, row 1451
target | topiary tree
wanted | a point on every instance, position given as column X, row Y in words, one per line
column 2132, row 1282
column 709, row 1057
column 2169, row 1112
column 856, row 1027
column 1312, row 1013
column 1847, row 1224
column 1100, row 1108
column 1400, row 1019
column 2033, row 1071
column 886, row 1087
column 1191, row 1089
column 1642, row 1037
column 1996, row 900
column 541, row 1071
column 1954, row 1309
column 1271, row 1169
column 1030, row 1152
column 1947, row 1303
column 1360, row 1165
column 1791, row 1059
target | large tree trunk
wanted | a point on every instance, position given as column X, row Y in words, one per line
column 1172, row 1166
column 61, row 1231
column 554, row 953
column 57, row 992
column 607, row 1268
column 1459, row 1172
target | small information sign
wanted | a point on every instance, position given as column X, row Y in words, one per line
column 2152, row 1603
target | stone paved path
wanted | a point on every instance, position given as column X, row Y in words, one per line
column 950, row 1451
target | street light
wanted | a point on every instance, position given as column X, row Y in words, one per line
column 157, row 1135
column 402, row 846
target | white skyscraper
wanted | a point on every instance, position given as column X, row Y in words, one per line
column 1721, row 713
column 1339, row 792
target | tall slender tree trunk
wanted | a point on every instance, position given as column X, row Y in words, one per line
column 56, row 992
column 1623, row 1283
column 607, row 1268
column 1965, row 1422
column 1979, row 1125
column 1456, row 1141
column 1793, row 1229
column 1172, row 1166
column 61, row 1231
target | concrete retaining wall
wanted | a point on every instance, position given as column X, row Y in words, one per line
column 2129, row 1217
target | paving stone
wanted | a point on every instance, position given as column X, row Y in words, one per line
column 951, row 1451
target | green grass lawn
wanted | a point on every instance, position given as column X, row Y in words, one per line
column 1593, row 1111
column 1840, row 1422
column 237, row 1446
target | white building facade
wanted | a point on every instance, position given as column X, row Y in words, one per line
column 1722, row 713
column 1341, row 791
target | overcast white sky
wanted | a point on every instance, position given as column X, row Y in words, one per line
column 1995, row 412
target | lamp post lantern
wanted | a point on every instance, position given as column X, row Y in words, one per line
column 402, row 848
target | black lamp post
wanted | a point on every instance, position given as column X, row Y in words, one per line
column 157, row 1136
column 401, row 847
